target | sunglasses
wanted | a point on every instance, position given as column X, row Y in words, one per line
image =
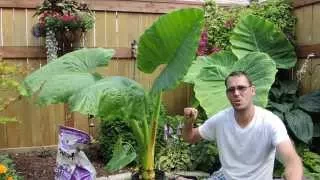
column 240, row 89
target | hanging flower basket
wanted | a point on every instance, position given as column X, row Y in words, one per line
column 62, row 23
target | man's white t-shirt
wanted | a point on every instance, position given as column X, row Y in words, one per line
column 245, row 153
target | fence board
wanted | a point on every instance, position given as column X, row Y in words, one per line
column 316, row 24
column 100, row 28
column 304, row 3
column 31, row 21
column 13, row 128
column 26, row 121
column 315, row 73
column 304, row 30
column 3, row 136
column 19, row 28
column 7, row 27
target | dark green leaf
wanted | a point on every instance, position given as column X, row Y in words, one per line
column 210, row 89
column 310, row 102
column 281, row 107
column 172, row 40
column 300, row 123
column 255, row 34
column 122, row 155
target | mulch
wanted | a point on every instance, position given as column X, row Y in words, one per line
column 40, row 165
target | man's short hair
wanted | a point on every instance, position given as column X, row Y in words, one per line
column 238, row 73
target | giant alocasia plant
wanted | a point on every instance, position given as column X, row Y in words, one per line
column 258, row 48
column 172, row 40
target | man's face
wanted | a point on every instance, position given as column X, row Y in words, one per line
column 239, row 92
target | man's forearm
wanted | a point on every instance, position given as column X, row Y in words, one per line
column 294, row 169
column 187, row 131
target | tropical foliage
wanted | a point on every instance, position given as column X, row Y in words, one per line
column 253, row 51
column 221, row 21
column 71, row 79
column 295, row 111
column 173, row 154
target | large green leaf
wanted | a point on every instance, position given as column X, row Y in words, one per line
column 310, row 102
column 283, row 108
column 59, row 88
column 262, row 70
column 300, row 123
column 255, row 34
column 122, row 155
column 80, row 61
column 195, row 69
column 111, row 98
column 172, row 40
column 209, row 86
column 210, row 89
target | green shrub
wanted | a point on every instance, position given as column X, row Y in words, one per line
column 221, row 21
column 175, row 154
column 172, row 153
column 109, row 134
column 205, row 157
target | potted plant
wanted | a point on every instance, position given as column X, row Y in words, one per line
column 61, row 22
column 171, row 41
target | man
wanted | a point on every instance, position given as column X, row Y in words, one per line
column 247, row 136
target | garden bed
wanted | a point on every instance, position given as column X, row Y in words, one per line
column 41, row 164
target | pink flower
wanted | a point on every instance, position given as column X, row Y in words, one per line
column 202, row 49
column 68, row 18
column 215, row 50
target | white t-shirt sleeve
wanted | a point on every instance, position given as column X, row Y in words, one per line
column 208, row 129
column 279, row 131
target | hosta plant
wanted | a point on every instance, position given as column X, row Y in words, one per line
column 171, row 41
column 295, row 111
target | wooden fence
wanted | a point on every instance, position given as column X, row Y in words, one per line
column 308, row 40
column 117, row 24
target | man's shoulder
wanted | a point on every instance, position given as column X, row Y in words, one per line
column 222, row 115
column 265, row 112
column 267, row 116
column 225, row 112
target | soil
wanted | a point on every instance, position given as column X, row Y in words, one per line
column 40, row 165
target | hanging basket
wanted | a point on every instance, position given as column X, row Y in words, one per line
column 67, row 40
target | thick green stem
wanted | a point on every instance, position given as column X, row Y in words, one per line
column 148, row 171
column 137, row 132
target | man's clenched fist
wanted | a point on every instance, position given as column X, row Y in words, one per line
column 190, row 113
